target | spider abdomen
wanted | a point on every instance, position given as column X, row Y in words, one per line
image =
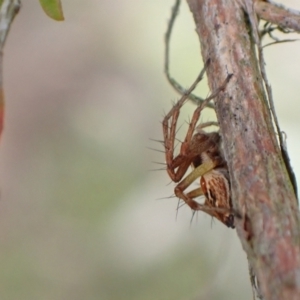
column 215, row 187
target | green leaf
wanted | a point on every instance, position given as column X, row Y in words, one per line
column 53, row 9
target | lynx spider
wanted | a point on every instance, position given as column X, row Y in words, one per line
column 203, row 152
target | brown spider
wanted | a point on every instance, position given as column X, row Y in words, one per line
column 203, row 152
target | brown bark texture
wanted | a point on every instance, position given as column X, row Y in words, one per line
column 278, row 14
column 262, row 194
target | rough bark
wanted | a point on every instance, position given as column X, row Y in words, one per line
column 262, row 193
column 278, row 14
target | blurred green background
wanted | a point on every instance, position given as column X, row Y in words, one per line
column 79, row 217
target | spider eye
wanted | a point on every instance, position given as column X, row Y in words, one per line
column 230, row 221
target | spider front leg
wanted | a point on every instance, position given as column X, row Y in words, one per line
column 215, row 188
column 191, row 147
column 188, row 180
column 182, row 161
column 177, row 166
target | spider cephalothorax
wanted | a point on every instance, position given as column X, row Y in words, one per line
column 203, row 152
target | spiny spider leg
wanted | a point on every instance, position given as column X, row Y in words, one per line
column 206, row 124
column 182, row 161
column 202, row 151
column 188, row 180
column 170, row 133
column 207, row 207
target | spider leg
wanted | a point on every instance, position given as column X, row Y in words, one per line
column 195, row 193
column 206, row 124
column 185, row 158
column 169, row 132
column 198, row 110
column 188, row 180
column 222, row 212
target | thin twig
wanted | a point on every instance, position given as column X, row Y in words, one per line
column 8, row 10
column 180, row 89
column 278, row 14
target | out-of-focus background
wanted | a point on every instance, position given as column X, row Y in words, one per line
column 79, row 217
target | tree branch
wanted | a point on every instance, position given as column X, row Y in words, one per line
column 261, row 189
column 278, row 14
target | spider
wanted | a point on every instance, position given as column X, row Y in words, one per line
column 203, row 152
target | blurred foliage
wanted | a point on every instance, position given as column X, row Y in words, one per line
column 53, row 9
